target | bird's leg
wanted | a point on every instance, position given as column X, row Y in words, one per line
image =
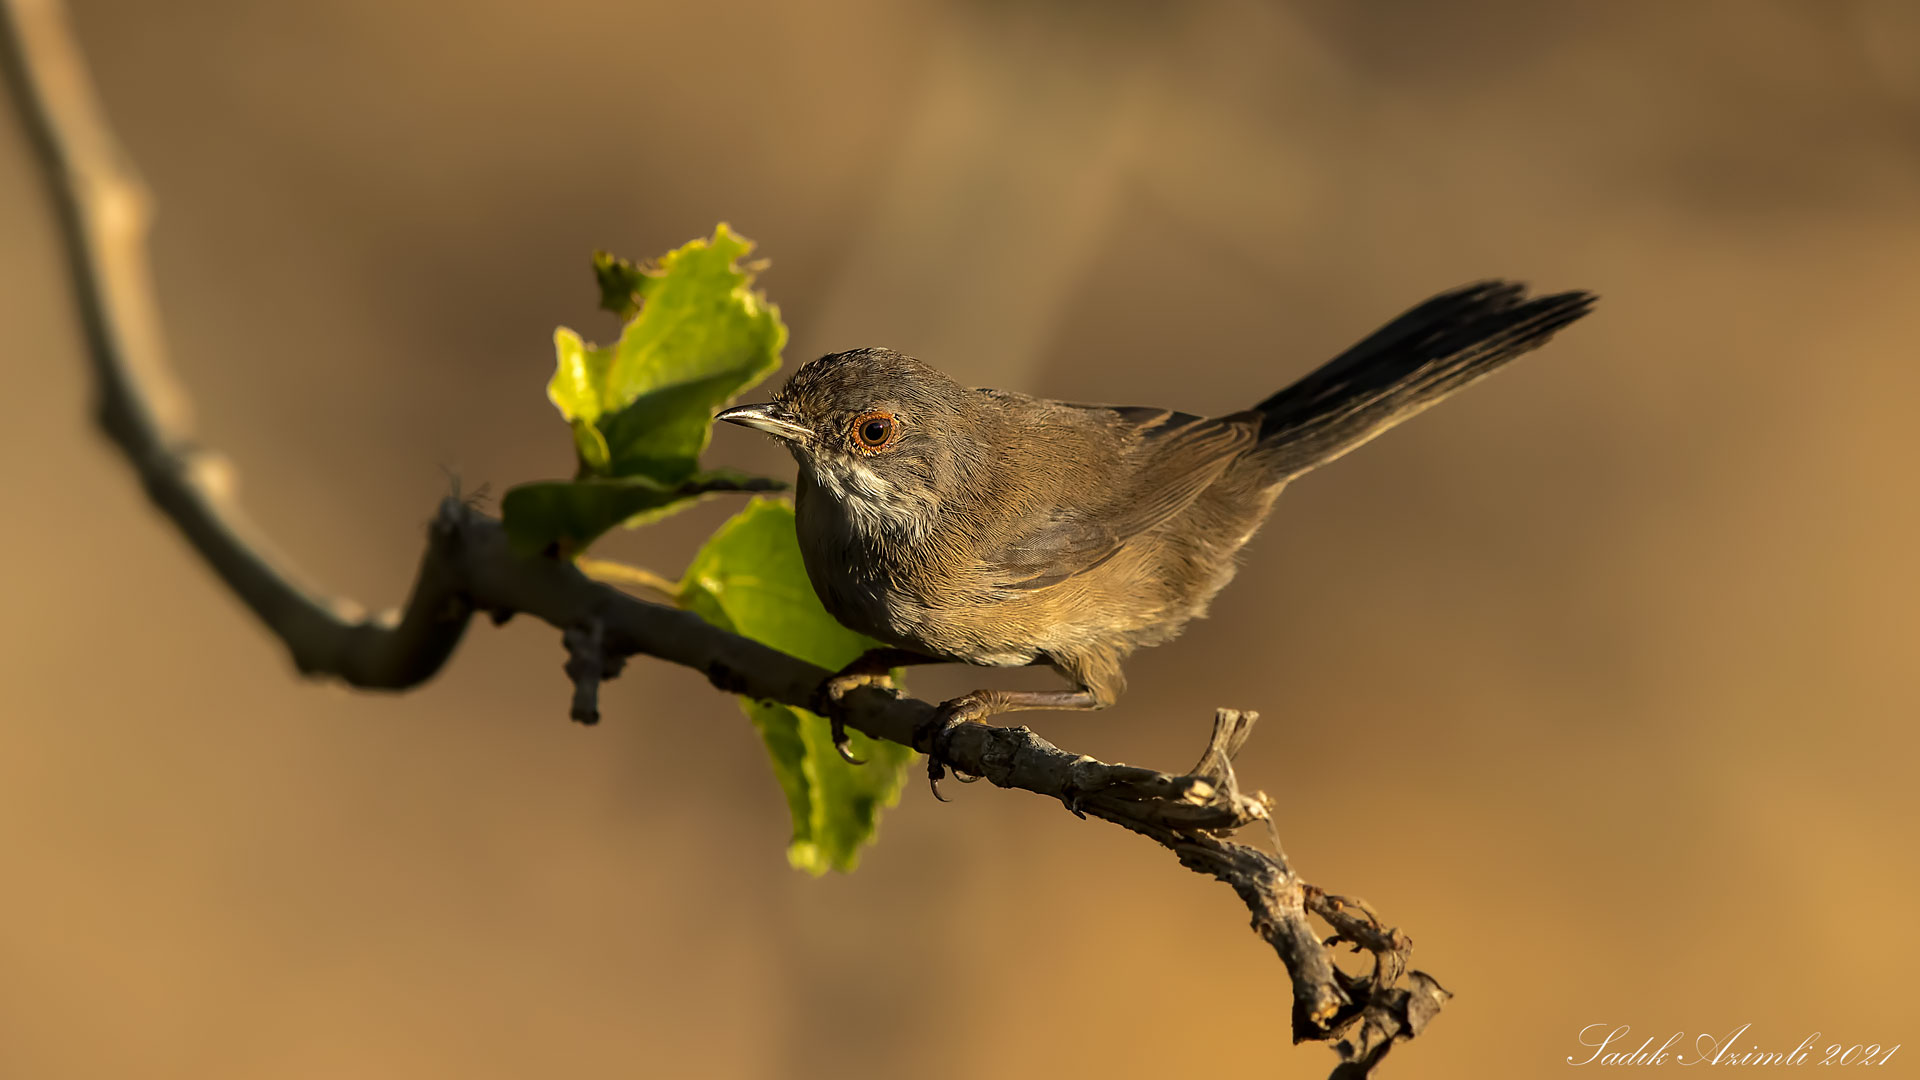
column 981, row 704
column 872, row 668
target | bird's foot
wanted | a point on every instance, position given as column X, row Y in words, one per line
column 827, row 703
column 938, row 731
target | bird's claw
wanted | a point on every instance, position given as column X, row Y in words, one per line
column 1070, row 795
column 827, row 703
column 842, row 743
column 935, row 732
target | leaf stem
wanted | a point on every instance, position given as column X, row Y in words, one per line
column 618, row 573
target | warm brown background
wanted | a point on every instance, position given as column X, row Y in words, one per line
column 1600, row 680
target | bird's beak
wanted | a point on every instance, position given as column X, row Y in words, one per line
column 770, row 417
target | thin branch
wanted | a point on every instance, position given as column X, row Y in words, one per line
column 468, row 567
column 105, row 213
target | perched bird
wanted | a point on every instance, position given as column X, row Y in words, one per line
column 992, row 528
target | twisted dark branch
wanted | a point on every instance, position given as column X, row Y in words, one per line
column 468, row 568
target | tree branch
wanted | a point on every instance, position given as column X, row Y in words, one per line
column 468, row 567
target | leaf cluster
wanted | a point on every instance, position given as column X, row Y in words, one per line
column 695, row 335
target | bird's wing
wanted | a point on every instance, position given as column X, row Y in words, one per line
column 1168, row 459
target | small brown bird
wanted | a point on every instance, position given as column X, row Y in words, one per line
column 990, row 528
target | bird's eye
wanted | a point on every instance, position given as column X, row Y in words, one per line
column 874, row 431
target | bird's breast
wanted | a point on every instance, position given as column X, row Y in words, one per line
column 909, row 590
column 856, row 568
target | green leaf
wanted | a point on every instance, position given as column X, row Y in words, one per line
column 749, row 579
column 569, row 514
column 700, row 335
column 652, row 436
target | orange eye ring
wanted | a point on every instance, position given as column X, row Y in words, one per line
column 873, row 432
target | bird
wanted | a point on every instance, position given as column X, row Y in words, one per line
column 961, row 525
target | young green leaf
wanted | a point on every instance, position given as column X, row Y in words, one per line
column 697, row 334
column 621, row 283
column 749, row 579
column 702, row 334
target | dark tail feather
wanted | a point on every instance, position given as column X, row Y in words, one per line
column 1405, row 367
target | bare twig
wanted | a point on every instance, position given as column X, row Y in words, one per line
column 468, row 567
column 104, row 212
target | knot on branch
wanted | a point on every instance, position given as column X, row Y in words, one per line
column 589, row 663
column 1211, row 781
column 1384, row 1010
column 1394, row 1014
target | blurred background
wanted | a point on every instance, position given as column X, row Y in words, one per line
column 1600, row 680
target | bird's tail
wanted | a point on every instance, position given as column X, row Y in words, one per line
column 1405, row 367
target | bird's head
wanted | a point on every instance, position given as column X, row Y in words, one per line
column 884, row 435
